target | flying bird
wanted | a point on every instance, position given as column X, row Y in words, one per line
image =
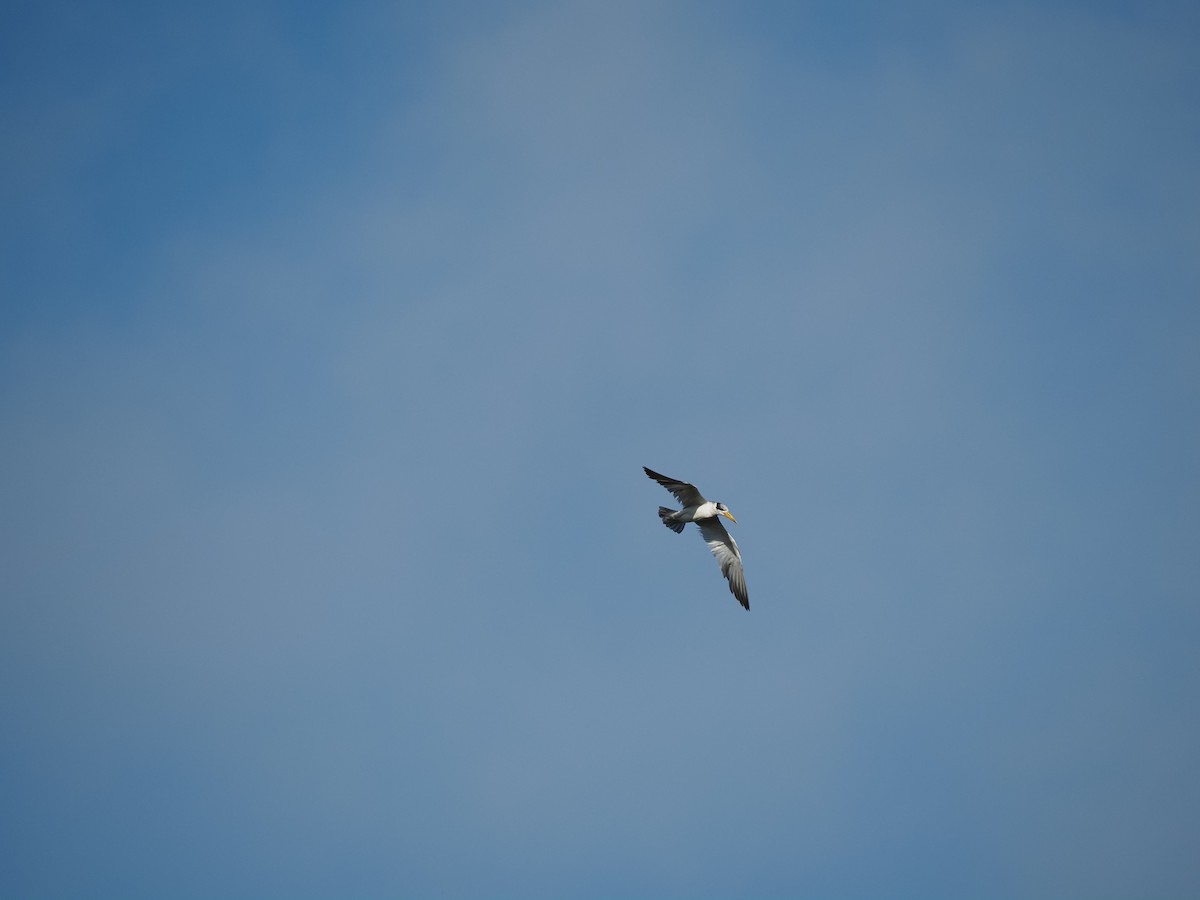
column 706, row 514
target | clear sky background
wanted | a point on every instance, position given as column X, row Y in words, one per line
column 333, row 339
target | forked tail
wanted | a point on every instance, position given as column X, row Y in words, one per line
column 667, row 519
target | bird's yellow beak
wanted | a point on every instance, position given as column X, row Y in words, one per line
column 727, row 514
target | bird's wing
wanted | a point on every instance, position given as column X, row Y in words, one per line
column 685, row 493
column 729, row 558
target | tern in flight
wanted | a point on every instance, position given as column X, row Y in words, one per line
column 705, row 513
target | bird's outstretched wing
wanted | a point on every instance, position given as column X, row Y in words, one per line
column 685, row 493
column 729, row 558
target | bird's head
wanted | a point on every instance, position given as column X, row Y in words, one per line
column 723, row 510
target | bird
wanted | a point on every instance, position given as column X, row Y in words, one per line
column 706, row 514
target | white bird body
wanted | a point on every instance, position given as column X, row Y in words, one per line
column 705, row 510
column 705, row 514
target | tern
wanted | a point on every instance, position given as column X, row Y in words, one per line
column 706, row 514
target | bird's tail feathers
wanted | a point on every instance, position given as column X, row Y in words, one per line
column 666, row 516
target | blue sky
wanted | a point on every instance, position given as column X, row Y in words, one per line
column 334, row 338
